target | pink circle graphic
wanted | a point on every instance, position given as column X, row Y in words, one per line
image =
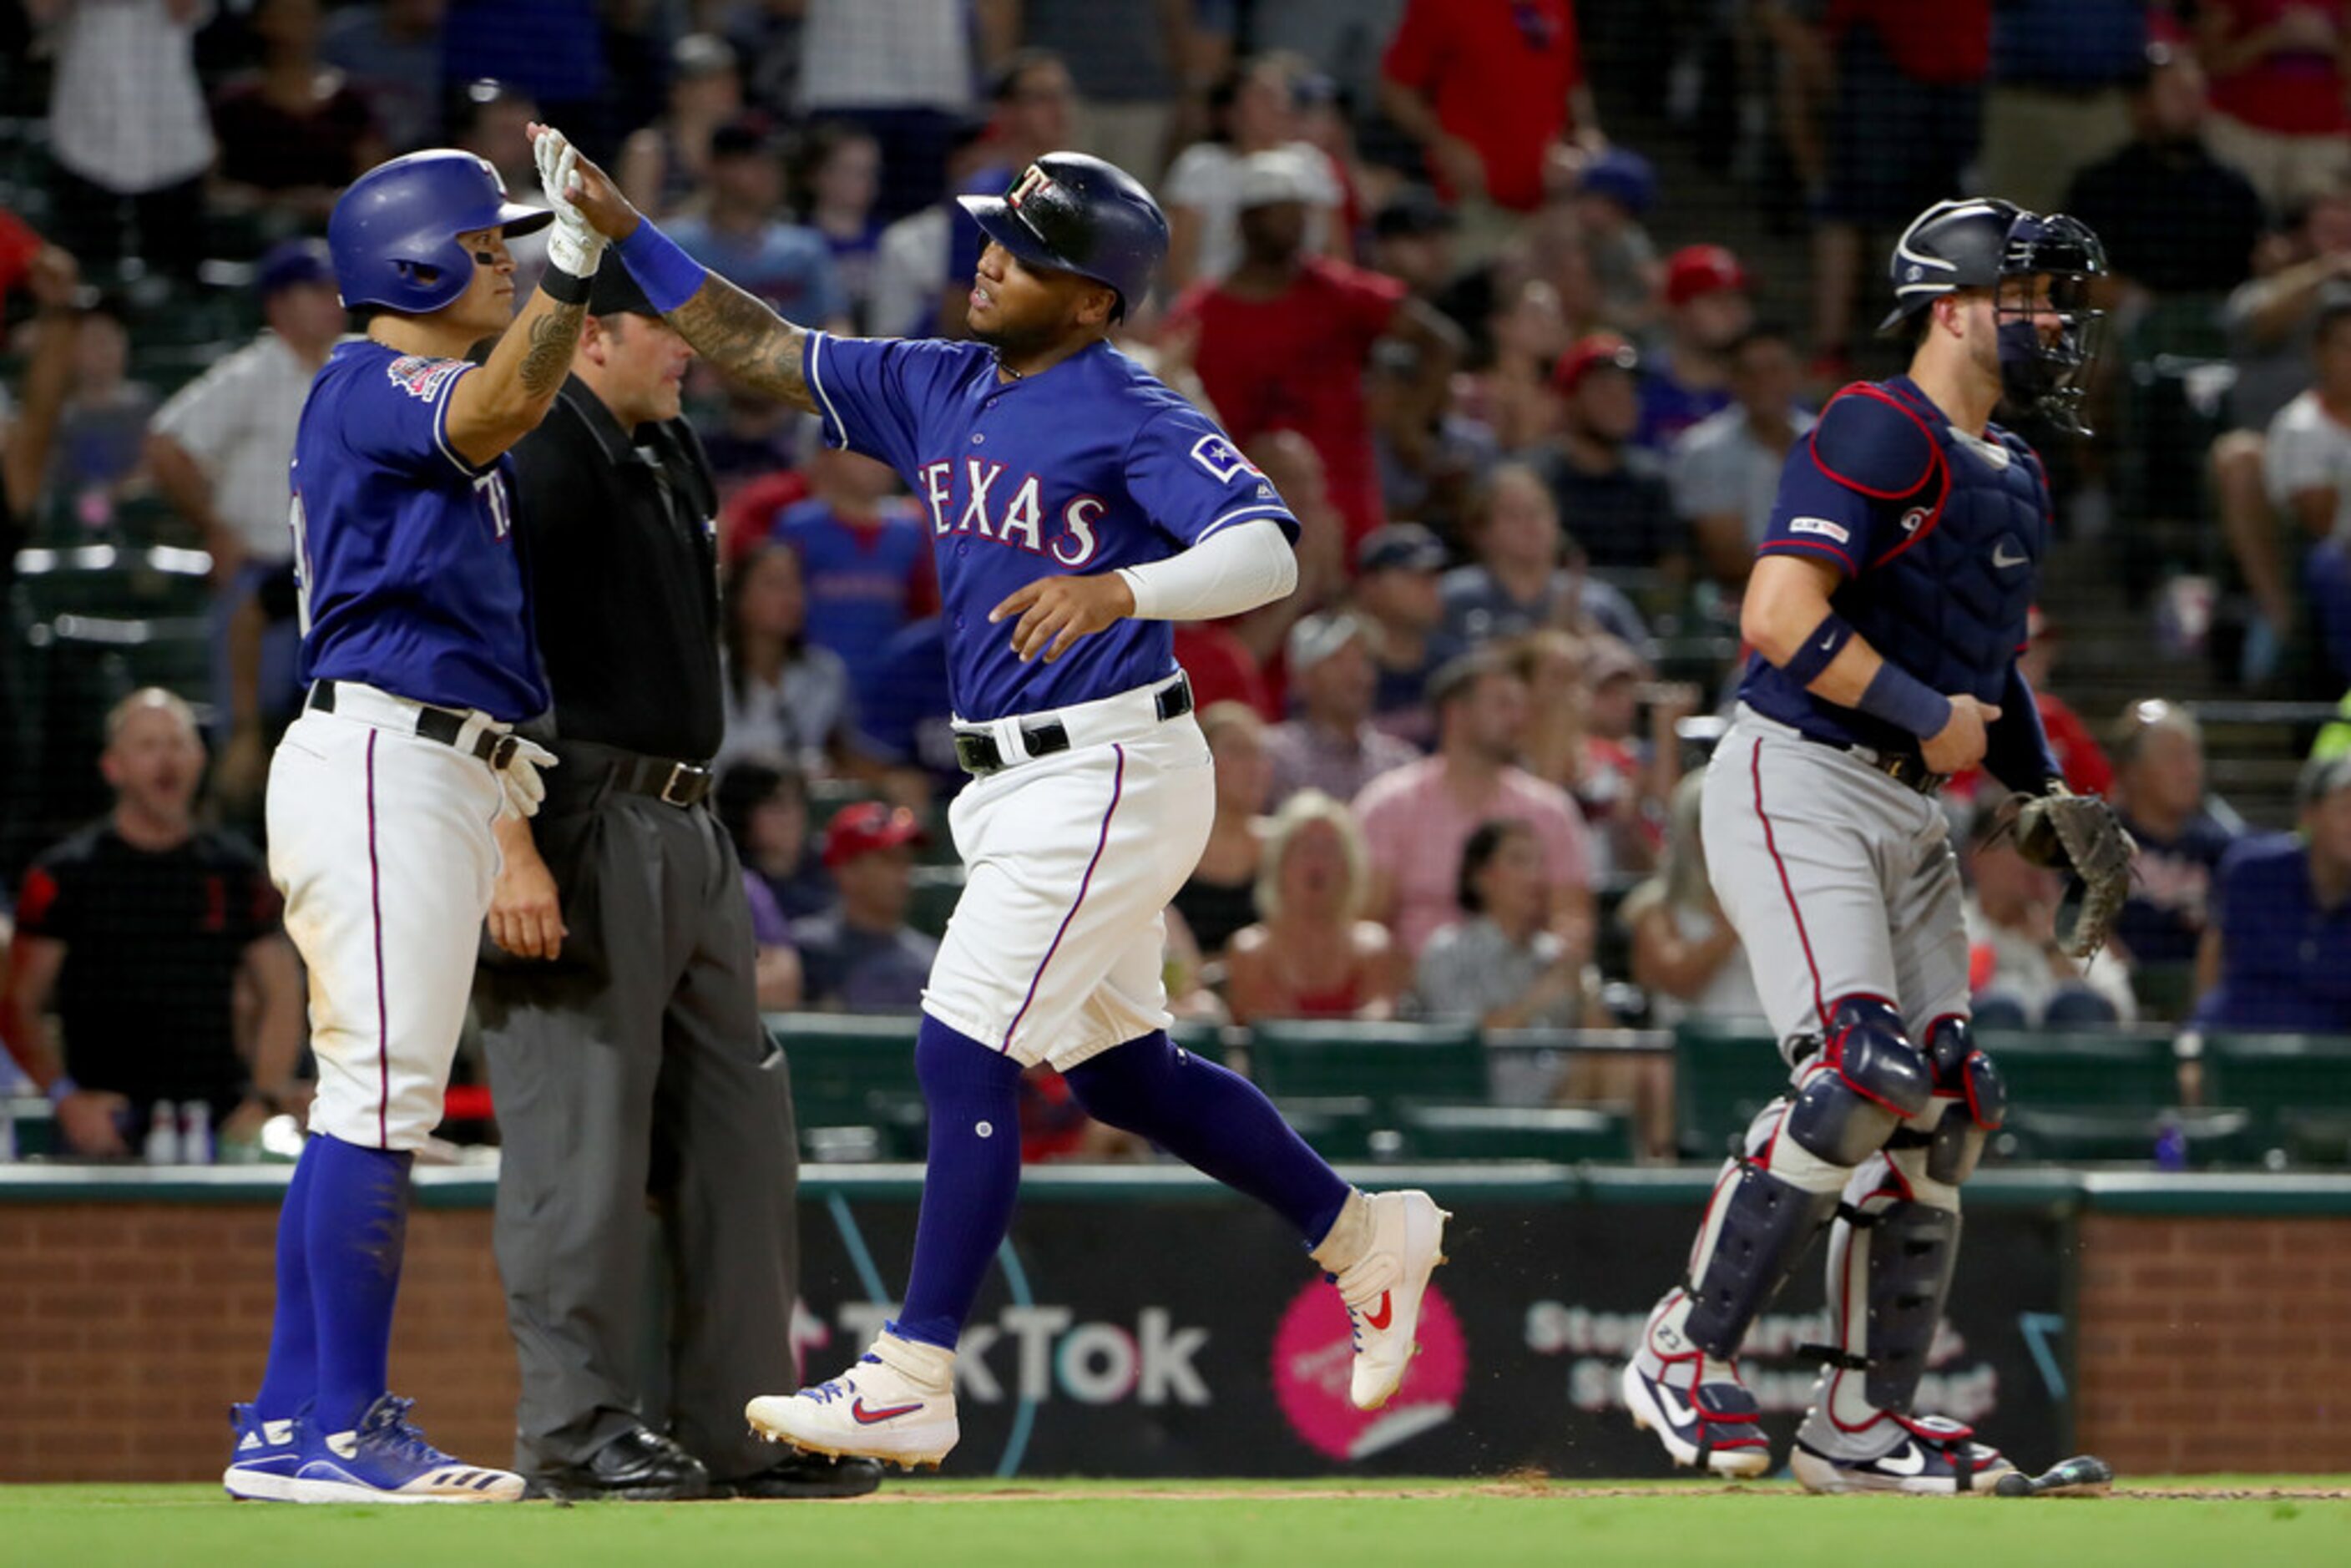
column 1314, row 1357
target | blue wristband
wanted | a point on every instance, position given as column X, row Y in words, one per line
column 1903, row 700
column 668, row 276
column 1827, row 641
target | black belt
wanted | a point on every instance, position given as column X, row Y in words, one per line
column 435, row 723
column 978, row 754
column 680, row 784
column 1905, row 770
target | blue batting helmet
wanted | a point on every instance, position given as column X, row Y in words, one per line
column 1076, row 213
column 394, row 233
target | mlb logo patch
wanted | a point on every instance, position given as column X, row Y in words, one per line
column 1220, row 457
column 422, row 378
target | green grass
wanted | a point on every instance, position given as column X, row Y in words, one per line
column 1044, row 1524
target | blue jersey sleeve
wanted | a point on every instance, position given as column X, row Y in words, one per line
column 871, row 392
column 399, row 416
column 1856, row 487
column 1191, row 480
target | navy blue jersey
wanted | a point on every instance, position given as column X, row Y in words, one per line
column 405, row 551
column 1077, row 470
column 1936, row 536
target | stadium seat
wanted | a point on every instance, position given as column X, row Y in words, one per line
column 2293, row 1085
column 1723, row 1073
column 1559, row 1134
column 851, row 1072
column 2085, row 1069
column 2213, row 1134
column 1393, row 1065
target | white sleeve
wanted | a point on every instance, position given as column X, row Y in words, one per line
column 1231, row 570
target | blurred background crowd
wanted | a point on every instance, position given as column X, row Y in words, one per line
column 1521, row 304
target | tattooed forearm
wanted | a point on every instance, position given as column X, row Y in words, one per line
column 548, row 359
column 746, row 340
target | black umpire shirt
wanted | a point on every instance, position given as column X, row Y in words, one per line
column 619, row 542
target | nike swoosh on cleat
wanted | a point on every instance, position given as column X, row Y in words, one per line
column 1380, row 1319
column 1906, row 1461
column 1680, row 1414
column 868, row 1418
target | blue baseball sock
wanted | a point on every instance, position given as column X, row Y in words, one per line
column 291, row 1379
column 1216, row 1121
column 971, row 1181
column 356, row 1227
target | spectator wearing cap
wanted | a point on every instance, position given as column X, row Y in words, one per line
column 392, row 54
column 1723, row 472
column 1412, row 242
column 1399, row 591
column 2159, row 791
column 1707, row 309
column 1492, row 92
column 662, row 164
column 2277, row 952
column 1253, row 108
column 218, row 451
column 1310, row 954
column 1613, row 191
column 1610, row 491
column 1516, row 582
column 2062, row 73
column 295, row 132
column 1416, row 818
column 862, row 956
column 742, row 234
column 619, row 1011
column 1331, row 745
column 1283, row 340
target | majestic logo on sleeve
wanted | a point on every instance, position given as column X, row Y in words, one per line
column 1220, row 457
column 423, row 379
column 978, row 499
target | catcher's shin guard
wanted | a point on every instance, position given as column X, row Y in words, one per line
column 1968, row 1078
column 1892, row 1250
column 1767, row 1208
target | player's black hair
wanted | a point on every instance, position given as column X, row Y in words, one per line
column 1478, row 853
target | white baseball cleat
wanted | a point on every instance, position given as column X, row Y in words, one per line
column 896, row 1404
column 1937, row 1456
column 1383, row 1289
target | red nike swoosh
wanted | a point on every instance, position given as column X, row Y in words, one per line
column 1379, row 1320
column 868, row 1418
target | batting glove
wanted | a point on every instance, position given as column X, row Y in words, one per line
column 519, row 776
column 573, row 245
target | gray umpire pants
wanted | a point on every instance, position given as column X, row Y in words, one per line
column 634, row 1073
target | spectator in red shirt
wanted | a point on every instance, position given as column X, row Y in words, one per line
column 2279, row 70
column 1493, row 91
column 1284, row 340
column 1907, row 115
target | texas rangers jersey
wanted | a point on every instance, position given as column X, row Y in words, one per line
column 1082, row 468
column 405, row 551
column 1937, row 536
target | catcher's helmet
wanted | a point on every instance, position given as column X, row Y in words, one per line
column 394, row 233
column 1976, row 244
column 1077, row 214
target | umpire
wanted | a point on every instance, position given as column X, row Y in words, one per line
column 625, row 1046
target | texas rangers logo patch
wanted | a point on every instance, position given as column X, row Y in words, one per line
column 422, row 378
column 1221, row 457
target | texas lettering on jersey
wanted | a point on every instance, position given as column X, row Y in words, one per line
column 978, row 502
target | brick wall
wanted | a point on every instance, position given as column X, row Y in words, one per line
column 126, row 1330
column 2215, row 1344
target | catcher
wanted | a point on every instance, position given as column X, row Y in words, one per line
column 1886, row 608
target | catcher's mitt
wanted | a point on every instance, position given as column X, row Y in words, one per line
column 2081, row 835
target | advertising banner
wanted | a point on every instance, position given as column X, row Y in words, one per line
column 1188, row 1334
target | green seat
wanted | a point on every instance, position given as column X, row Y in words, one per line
column 1516, row 1133
column 2214, row 1134
column 2086, row 1069
column 1336, row 1126
column 1724, row 1072
column 854, row 1071
column 1393, row 1065
column 2298, row 1087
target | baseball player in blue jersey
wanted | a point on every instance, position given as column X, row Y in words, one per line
column 1076, row 507
column 1886, row 610
column 417, row 647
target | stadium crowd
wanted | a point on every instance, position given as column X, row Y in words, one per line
column 1521, row 389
